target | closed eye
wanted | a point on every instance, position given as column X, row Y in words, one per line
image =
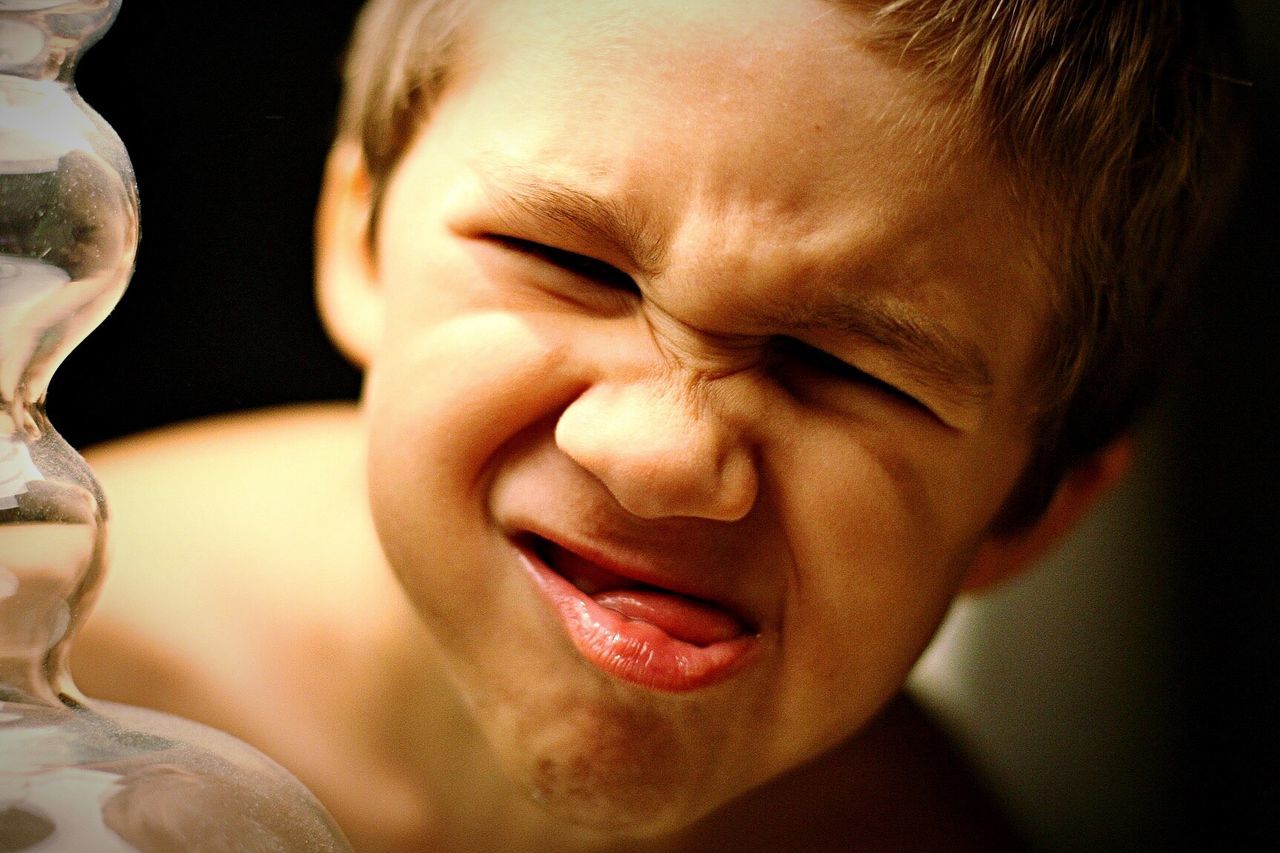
column 796, row 352
column 571, row 262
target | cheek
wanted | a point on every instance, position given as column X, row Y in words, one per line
column 457, row 376
column 875, row 566
column 460, row 370
column 442, row 400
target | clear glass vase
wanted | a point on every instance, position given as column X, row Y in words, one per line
column 79, row 775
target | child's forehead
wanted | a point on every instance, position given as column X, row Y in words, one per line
column 615, row 21
column 772, row 107
column 794, row 68
column 816, row 174
column 677, row 38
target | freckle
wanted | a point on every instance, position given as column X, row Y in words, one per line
column 545, row 781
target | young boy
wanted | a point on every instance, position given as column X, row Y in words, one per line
column 711, row 349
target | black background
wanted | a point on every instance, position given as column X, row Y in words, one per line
column 227, row 110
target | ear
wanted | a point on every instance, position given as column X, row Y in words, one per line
column 1002, row 557
column 347, row 287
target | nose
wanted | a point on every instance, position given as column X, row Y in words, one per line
column 662, row 453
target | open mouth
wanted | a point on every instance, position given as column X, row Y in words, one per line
column 650, row 635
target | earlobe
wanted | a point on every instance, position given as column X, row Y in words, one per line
column 1002, row 557
column 347, row 287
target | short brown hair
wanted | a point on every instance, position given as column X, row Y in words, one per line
column 1117, row 119
column 396, row 66
column 1121, row 122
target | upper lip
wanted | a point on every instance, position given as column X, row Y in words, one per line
column 652, row 566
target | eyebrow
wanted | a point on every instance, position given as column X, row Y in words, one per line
column 932, row 354
column 520, row 195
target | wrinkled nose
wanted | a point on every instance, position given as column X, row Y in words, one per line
column 660, row 453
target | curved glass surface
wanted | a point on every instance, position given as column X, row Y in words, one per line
column 79, row 775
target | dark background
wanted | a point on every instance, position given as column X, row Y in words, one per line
column 227, row 110
column 1226, row 463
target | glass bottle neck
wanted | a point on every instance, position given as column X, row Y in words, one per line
column 52, row 545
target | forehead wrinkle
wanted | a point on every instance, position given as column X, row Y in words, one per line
column 519, row 193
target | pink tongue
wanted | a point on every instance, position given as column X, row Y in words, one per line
column 694, row 622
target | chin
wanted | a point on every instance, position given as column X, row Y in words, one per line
column 620, row 772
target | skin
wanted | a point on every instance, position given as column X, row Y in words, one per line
column 668, row 416
column 668, row 394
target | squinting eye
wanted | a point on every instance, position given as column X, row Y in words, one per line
column 571, row 262
column 812, row 358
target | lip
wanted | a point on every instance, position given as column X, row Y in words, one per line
column 629, row 649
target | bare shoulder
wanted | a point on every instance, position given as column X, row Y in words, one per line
column 230, row 540
column 258, row 445
column 247, row 591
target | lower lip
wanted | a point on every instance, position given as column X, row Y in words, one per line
column 631, row 650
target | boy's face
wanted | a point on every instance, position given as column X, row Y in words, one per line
column 665, row 431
